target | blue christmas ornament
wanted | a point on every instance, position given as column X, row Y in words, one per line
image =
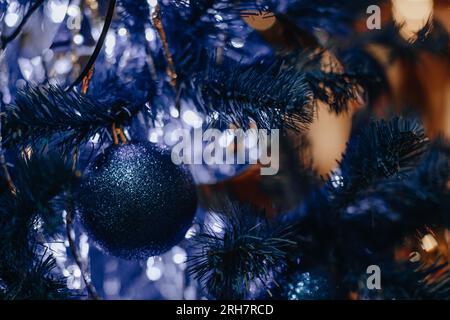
column 135, row 202
column 308, row 286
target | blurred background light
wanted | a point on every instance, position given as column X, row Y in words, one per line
column 122, row 32
column 110, row 43
column 149, row 34
column 73, row 10
column 412, row 15
column 152, row 3
column 56, row 10
column 191, row 118
column 179, row 255
column 11, row 19
column 78, row 39
column 153, row 273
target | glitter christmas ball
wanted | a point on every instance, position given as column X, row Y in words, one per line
column 135, row 202
column 300, row 285
column 308, row 286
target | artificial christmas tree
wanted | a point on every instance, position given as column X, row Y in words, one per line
column 94, row 95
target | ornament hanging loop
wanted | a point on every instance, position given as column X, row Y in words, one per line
column 157, row 22
column 117, row 133
column 86, row 80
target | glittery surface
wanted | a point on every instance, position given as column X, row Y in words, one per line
column 135, row 202
column 308, row 286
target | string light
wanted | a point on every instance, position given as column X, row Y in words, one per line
column 149, row 35
column 57, row 10
column 191, row 118
column 122, row 32
column 153, row 273
column 110, row 43
column 429, row 243
column 11, row 19
column 78, row 39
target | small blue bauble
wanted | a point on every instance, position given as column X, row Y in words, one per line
column 307, row 286
column 300, row 285
column 135, row 202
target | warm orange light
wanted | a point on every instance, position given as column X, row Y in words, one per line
column 412, row 14
column 260, row 21
column 429, row 243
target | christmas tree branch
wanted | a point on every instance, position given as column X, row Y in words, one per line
column 69, row 118
column 135, row 15
column 266, row 93
column 381, row 150
column 275, row 93
column 26, row 271
column 416, row 281
column 73, row 248
column 391, row 181
column 333, row 16
column 400, row 206
column 3, row 164
column 246, row 251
